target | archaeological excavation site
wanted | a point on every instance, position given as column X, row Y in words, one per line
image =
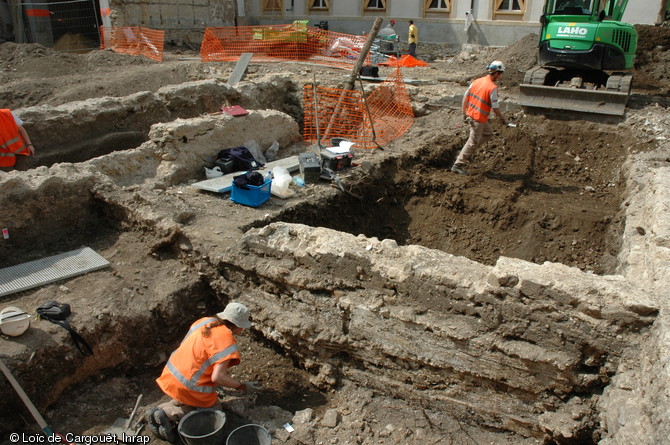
column 524, row 303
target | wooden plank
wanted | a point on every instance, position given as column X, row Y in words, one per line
column 240, row 68
column 222, row 184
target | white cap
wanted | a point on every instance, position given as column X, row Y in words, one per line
column 14, row 321
column 236, row 313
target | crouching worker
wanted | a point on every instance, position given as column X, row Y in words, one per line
column 197, row 366
column 15, row 145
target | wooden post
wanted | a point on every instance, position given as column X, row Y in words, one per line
column 349, row 86
column 364, row 53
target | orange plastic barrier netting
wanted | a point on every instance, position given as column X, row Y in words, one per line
column 343, row 113
column 293, row 42
column 405, row 60
column 133, row 40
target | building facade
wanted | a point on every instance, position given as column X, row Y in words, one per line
column 455, row 22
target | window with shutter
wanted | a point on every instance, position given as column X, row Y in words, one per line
column 510, row 6
column 319, row 4
column 378, row 5
column 437, row 5
column 271, row 5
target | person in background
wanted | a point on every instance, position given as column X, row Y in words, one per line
column 388, row 30
column 197, row 366
column 413, row 38
column 15, row 145
column 479, row 100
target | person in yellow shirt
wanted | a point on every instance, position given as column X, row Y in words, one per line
column 413, row 38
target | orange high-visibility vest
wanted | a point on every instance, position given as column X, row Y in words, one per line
column 479, row 99
column 11, row 142
column 187, row 376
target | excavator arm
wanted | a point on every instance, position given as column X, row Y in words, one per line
column 616, row 8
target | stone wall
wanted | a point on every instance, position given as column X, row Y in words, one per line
column 77, row 131
column 522, row 346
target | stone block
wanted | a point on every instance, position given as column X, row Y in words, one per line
column 331, row 418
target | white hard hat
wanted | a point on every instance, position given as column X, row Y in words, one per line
column 495, row 66
column 236, row 313
column 14, row 321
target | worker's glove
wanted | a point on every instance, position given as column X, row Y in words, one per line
column 465, row 118
column 249, row 387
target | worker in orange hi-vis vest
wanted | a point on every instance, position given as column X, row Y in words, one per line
column 479, row 100
column 15, row 145
column 197, row 366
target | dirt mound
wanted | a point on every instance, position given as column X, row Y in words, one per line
column 108, row 57
column 652, row 60
column 518, row 58
column 74, row 43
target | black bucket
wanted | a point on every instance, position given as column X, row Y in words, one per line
column 249, row 435
column 203, row 427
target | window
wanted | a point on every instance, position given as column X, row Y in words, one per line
column 319, row 4
column 438, row 5
column 375, row 4
column 436, row 8
column 503, row 6
column 272, row 5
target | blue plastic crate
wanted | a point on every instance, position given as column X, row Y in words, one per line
column 254, row 196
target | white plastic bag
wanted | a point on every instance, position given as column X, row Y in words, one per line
column 255, row 150
column 272, row 152
column 281, row 179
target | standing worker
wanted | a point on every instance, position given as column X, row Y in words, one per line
column 15, row 145
column 413, row 38
column 478, row 101
column 197, row 366
column 388, row 30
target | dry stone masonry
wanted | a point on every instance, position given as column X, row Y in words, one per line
column 511, row 342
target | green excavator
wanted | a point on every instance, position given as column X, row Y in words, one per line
column 585, row 57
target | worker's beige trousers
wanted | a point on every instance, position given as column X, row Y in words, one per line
column 175, row 410
column 479, row 132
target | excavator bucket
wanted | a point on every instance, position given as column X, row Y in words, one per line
column 612, row 103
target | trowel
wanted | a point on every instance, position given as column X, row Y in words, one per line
column 123, row 427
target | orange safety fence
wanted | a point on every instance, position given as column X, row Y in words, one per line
column 133, row 40
column 343, row 113
column 405, row 60
column 293, row 42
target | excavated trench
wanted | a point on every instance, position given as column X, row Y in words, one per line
column 551, row 200
column 430, row 287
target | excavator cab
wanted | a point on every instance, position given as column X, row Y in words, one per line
column 583, row 51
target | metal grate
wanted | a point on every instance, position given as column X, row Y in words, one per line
column 70, row 25
column 622, row 39
column 47, row 270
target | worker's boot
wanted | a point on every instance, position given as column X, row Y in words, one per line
column 165, row 428
column 459, row 169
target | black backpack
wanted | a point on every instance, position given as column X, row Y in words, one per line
column 57, row 313
column 249, row 178
column 237, row 158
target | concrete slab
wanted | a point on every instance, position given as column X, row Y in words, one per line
column 240, row 68
column 222, row 184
